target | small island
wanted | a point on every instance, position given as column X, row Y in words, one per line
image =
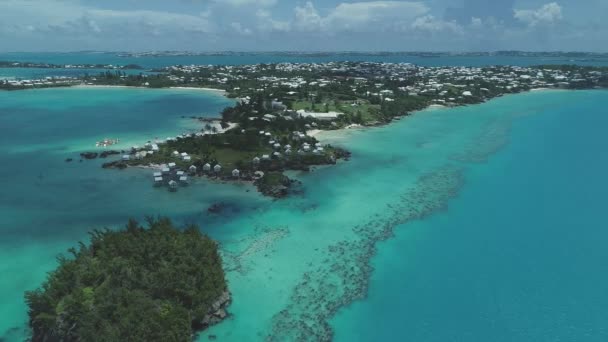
column 138, row 284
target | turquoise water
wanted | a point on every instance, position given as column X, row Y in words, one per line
column 520, row 255
column 445, row 238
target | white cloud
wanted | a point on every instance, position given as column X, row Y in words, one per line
column 307, row 18
column 430, row 24
column 546, row 15
column 238, row 28
column 257, row 3
column 371, row 16
column 71, row 18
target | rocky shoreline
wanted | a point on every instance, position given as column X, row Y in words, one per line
column 217, row 312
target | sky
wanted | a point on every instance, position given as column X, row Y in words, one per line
column 303, row 25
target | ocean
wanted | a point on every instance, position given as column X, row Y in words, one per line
column 466, row 224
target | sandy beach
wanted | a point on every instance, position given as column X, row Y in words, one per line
column 219, row 91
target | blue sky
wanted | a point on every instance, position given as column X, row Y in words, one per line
column 311, row 25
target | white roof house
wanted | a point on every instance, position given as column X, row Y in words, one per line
column 158, row 174
column 319, row 116
column 236, row 173
column 126, row 157
column 217, row 168
column 180, row 173
column 256, row 160
column 207, row 167
column 186, row 158
column 171, row 165
column 166, row 170
column 192, row 168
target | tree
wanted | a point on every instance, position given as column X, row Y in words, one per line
column 138, row 284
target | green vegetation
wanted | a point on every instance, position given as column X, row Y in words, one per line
column 138, row 284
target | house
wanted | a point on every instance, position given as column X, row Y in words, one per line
column 165, row 170
column 172, row 185
column 186, row 158
column 207, row 167
column 183, row 179
column 192, row 169
column 265, row 157
column 217, row 168
column 126, row 157
column 175, row 154
column 256, row 160
column 179, row 173
column 157, row 174
column 158, row 181
column 236, row 173
column 171, row 165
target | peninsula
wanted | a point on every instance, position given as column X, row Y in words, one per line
column 279, row 107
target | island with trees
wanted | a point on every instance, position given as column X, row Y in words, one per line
column 154, row 283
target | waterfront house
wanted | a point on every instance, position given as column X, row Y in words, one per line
column 165, row 170
column 236, row 173
column 171, row 165
column 179, row 173
column 183, row 179
column 207, row 167
column 158, row 174
column 256, row 160
column 192, row 169
column 126, row 157
column 172, row 185
column 158, row 181
column 217, row 168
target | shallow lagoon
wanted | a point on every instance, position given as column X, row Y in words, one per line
column 292, row 264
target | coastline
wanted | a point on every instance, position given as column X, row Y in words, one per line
column 213, row 90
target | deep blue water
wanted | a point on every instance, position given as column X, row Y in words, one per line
column 520, row 255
